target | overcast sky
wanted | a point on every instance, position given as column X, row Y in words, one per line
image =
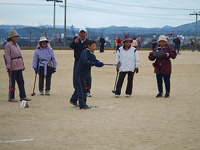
column 100, row 13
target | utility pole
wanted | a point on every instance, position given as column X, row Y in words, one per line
column 54, row 16
column 65, row 23
column 195, row 35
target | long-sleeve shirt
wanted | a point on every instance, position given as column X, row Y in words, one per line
column 42, row 56
column 13, row 56
column 129, row 59
column 86, row 61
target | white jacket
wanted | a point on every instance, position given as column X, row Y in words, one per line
column 129, row 59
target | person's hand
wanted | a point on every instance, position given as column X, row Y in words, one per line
column 117, row 69
column 99, row 64
column 76, row 40
column 166, row 55
column 24, row 69
column 136, row 70
column 150, row 54
column 8, row 69
column 36, row 70
column 54, row 70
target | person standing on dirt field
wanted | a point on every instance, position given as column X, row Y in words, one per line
column 162, row 66
column 102, row 43
column 177, row 43
column 154, row 42
column 119, row 43
column 128, row 56
column 78, row 45
column 134, row 43
column 83, row 70
column 44, row 63
column 15, row 66
column 192, row 43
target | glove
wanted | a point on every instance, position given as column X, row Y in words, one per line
column 136, row 70
column 99, row 64
column 54, row 70
column 150, row 54
column 117, row 69
column 8, row 69
column 24, row 69
column 36, row 70
column 166, row 54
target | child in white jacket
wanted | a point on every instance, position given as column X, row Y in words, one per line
column 128, row 56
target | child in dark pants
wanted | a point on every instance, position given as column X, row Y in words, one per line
column 129, row 59
column 162, row 54
column 86, row 61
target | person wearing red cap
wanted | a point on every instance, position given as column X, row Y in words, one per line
column 162, row 66
column 129, row 59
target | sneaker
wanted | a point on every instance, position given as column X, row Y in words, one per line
column 86, row 107
column 47, row 92
column 159, row 95
column 41, row 93
column 128, row 95
column 167, row 95
column 12, row 100
column 116, row 96
column 89, row 95
column 25, row 98
column 75, row 104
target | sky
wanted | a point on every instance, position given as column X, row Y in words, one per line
column 100, row 13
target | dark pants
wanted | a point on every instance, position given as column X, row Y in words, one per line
column 120, row 81
column 88, row 80
column 48, row 79
column 177, row 47
column 18, row 76
column 79, row 92
column 166, row 78
column 101, row 48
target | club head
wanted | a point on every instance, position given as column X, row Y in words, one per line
column 113, row 91
column 32, row 94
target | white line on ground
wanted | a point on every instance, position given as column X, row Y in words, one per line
column 14, row 141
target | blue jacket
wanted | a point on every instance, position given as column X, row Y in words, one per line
column 86, row 61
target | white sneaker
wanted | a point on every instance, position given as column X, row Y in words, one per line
column 116, row 96
column 128, row 95
column 89, row 95
column 41, row 93
column 47, row 92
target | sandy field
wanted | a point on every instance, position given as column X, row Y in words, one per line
column 140, row 122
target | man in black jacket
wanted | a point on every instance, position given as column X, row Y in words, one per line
column 177, row 43
column 102, row 43
column 78, row 45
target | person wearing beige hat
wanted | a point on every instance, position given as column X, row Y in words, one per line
column 15, row 66
column 162, row 66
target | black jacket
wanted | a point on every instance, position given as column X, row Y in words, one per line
column 78, row 48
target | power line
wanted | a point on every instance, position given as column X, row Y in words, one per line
column 142, row 6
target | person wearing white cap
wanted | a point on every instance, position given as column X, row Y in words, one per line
column 154, row 42
column 78, row 45
column 44, row 63
column 162, row 66
column 177, row 43
column 15, row 66
column 128, row 56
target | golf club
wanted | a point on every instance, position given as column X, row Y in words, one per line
column 34, row 85
column 114, row 90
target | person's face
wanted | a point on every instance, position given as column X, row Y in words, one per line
column 14, row 39
column 82, row 35
column 127, row 43
column 44, row 44
column 92, row 47
column 163, row 43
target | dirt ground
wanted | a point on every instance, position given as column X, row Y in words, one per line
column 140, row 122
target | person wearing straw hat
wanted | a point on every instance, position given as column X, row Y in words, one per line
column 44, row 63
column 15, row 66
column 128, row 56
column 162, row 66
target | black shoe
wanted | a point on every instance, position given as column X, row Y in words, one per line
column 159, row 95
column 86, row 107
column 74, row 104
column 167, row 95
